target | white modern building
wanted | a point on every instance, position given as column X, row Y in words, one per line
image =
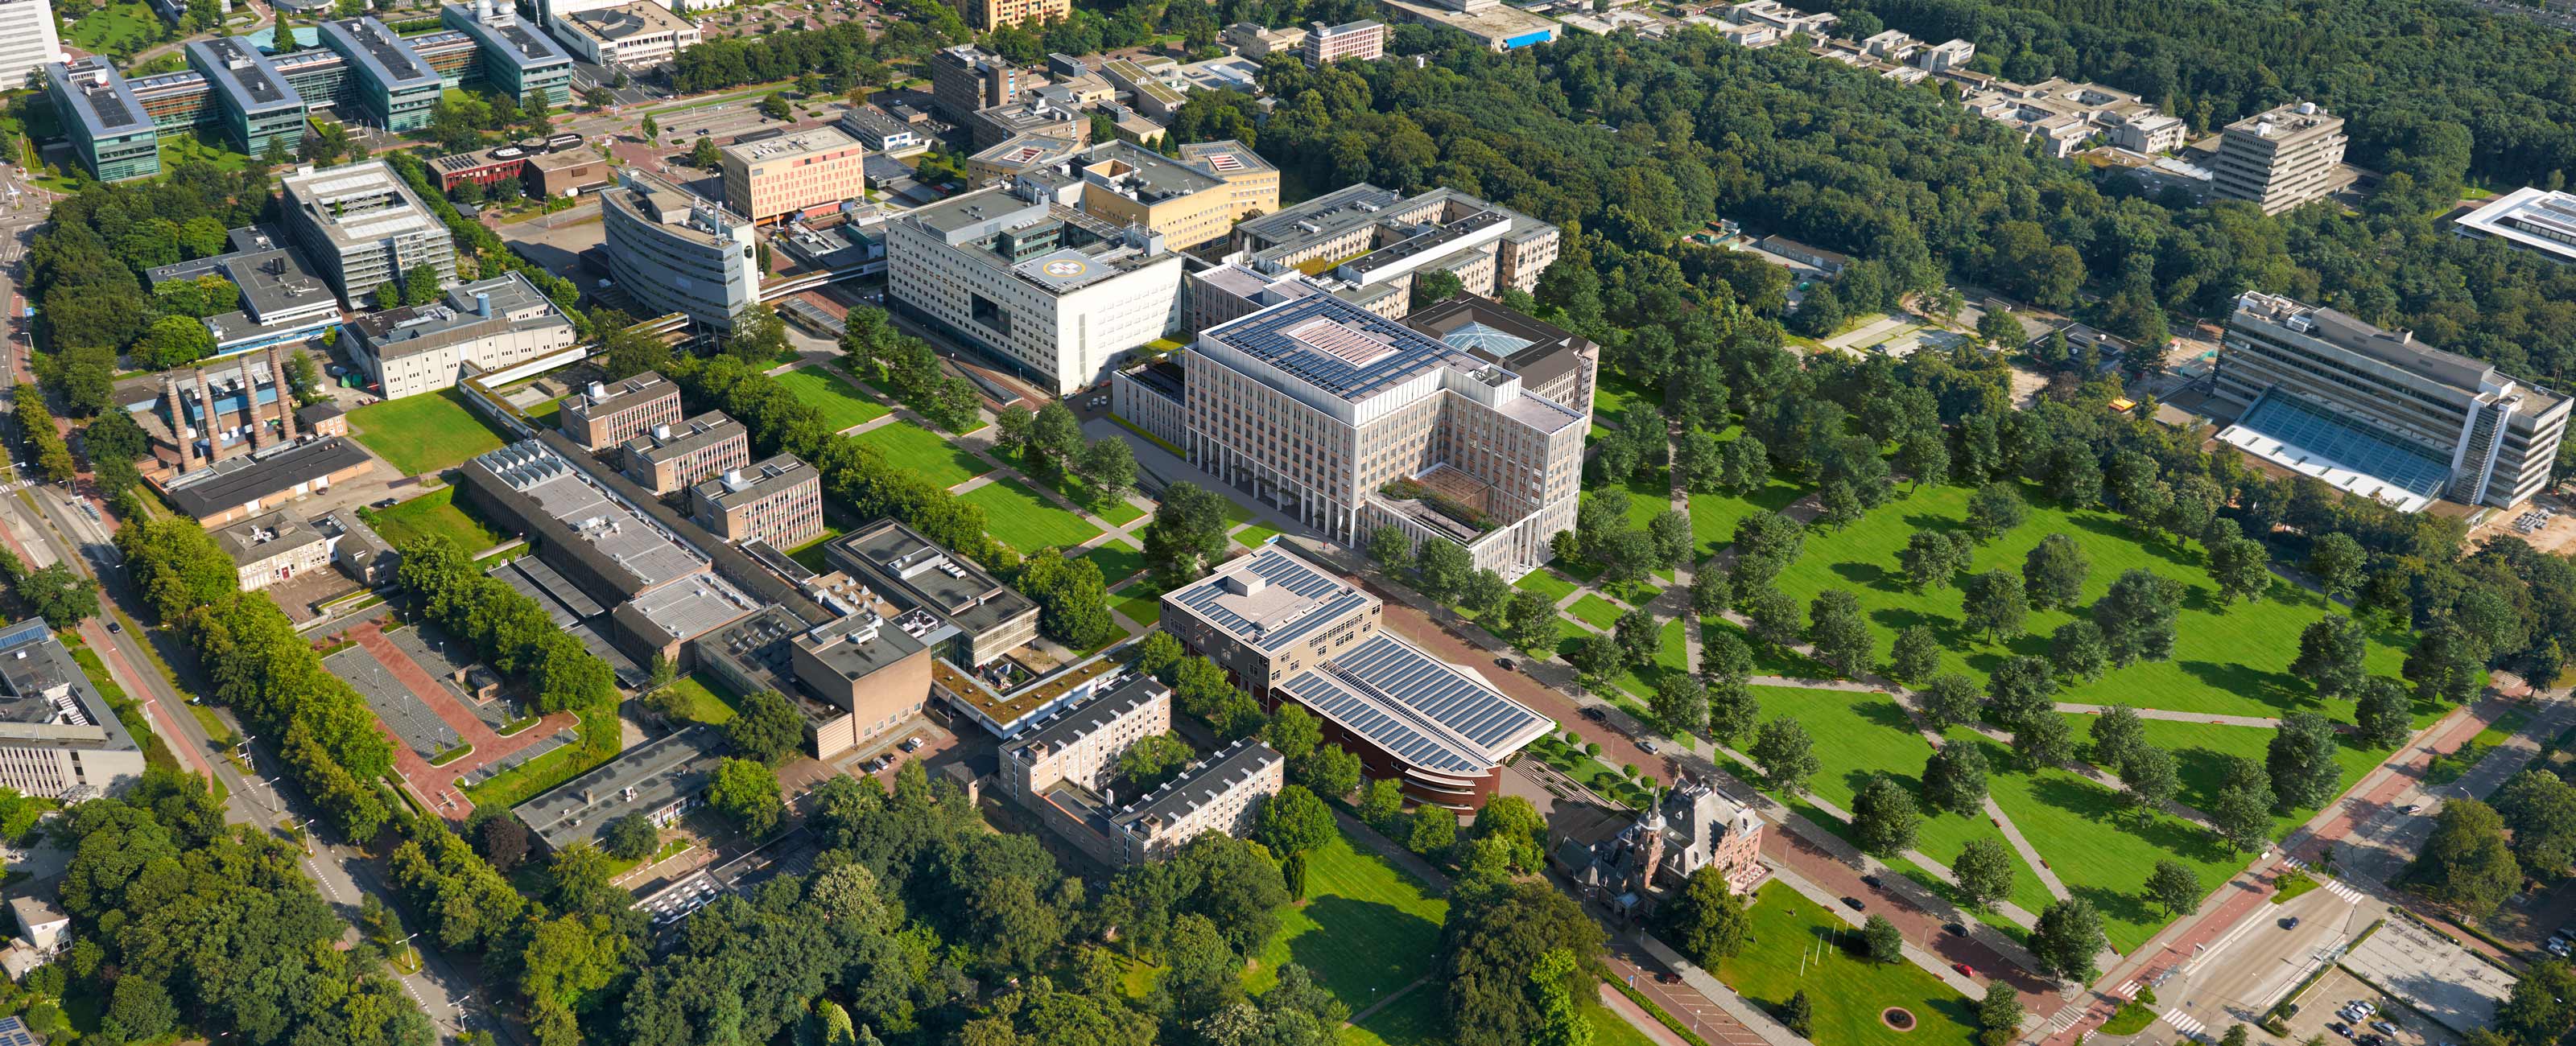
column 27, row 40
column 59, row 738
column 490, row 324
column 361, row 226
column 2530, row 219
column 675, row 251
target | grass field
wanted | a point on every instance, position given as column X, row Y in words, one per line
column 424, row 434
column 178, row 149
column 1593, row 610
column 1024, row 519
column 1118, row 558
column 1366, row 928
column 1796, row 945
column 433, row 513
column 710, row 702
column 1141, row 605
column 920, row 451
column 810, row 554
column 2448, row 768
column 1118, row 513
column 2198, row 749
column 840, row 402
column 1672, row 654
column 1547, row 583
column 1252, row 536
column 1612, row 396
column 117, row 29
column 2228, row 661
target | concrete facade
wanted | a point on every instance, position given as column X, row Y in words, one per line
column 778, row 501
column 677, row 252
column 59, row 738
column 667, row 459
column 609, row 413
column 2281, row 158
column 363, row 228
column 272, row 548
column 489, row 324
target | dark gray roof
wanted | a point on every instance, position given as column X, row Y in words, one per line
column 859, row 645
column 1199, row 785
column 238, row 481
column 705, row 430
column 244, row 75
column 1548, row 352
column 508, row 37
column 915, row 571
column 1079, row 721
column 661, row 771
column 105, row 103
column 764, row 480
column 1422, row 710
column 377, row 50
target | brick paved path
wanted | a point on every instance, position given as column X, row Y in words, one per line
column 437, row 784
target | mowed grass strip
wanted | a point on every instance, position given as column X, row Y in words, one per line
column 1598, row 612
column 2231, row 660
column 1024, row 519
column 435, row 513
column 2199, row 751
column 921, row 452
column 1365, row 929
column 1547, row 583
column 1118, row 560
column 1796, row 945
column 840, row 402
column 424, row 434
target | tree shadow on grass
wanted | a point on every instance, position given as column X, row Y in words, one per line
column 2095, row 803
column 2117, row 906
column 1349, row 949
column 1869, row 576
column 2279, row 690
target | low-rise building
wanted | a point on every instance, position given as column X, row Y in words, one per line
column 634, row 35
column 1021, row 154
column 1253, row 40
column 778, row 501
column 879, row 131
column 2064, row 115
column 1368, row 245
column 272, row 548
column 1492, row 25
column 1944, row 56
column 246, row 484
column 853, row 676
column 660, row 779
column 1830, row 263
column 194, row 417
column 670, row 458
column 361, row 553
column 1645, row 863
column 1360, row 41
column 59, row 738
column 804, row 173
column 1029, row 116
column 1144, row 87
column 361, row 225
column 1783, row 18
column 896, row 562
column 487, row 325
column 1080, row 748
column 606, row 414
column 2529, row 219
column 282, row 301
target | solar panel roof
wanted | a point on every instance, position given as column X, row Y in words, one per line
column 1295, row 599
column 1285, row 337
column 1417, row 707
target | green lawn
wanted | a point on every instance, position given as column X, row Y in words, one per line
column 1598, row 612
column 1024, row 519
column 710, row 702
column 524, row 781
column 1119, row 559
column 921, row 452
column 1118, row 513
column 2226, row 661
column 1146, row 610
column 1614, row 393
column 117, row 29
column 1547, row 583
column 840, row 402
column 1672, row 654
column 433, row 513
column 2198, row 748
column 424, row 434
column 1860, row 733
column 1796, row 945
column 1714, row 516
column 810, row 554
column 1366, row 925
column 2448, row 768
column 1252, row 536
column 206, row 149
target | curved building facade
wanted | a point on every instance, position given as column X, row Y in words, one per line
column 676, row 252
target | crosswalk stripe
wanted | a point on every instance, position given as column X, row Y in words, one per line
column 2127, row 990
column 2183, row 1022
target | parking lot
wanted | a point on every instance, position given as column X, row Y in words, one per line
column 2439, row 979
column 2326, row 1004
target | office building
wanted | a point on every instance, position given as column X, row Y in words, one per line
column 272, row 548
column 397, row 88
column 1360, row 41
column 1254, row 40
column 1489, row 23
column 854, row 677
column 672, row 458
column 634, row 35
column 1233, row 291
column 1190, row 199
column 609, row 413
column 879, row 131
column 989, row 15
column 676, row 252
column 2281, row 158
column 283, row 302
column 778, row 501
column 1349, row 422
column 2062, row 116
column 1222, row 794
column 966, row 79
column 2528, row 219
column 104, row 120
column 1552, row 362
column 2377, row 413
column 1057, row 294
column 1032, row 116
column 1080, row 748
column 1023, row 154
column 1268, row 616
column 488, row 324
column 800, row 174
column 59, row 739
column 1368, row 244
column 253, row 102
column 363, row 228
column 897, row 563
column 519, row 60
column 1146, row 92
column 661, row 779
column 27, row 40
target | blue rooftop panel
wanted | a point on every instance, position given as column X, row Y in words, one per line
column 2320, row 432
column 1343, row 349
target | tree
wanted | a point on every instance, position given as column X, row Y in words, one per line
column 2066, row 938
column 2137, row 617
column 1884, row 818
column 1379, row 804
column 2541, row 810
column 1997, row 329
column 2044, row 741
column 1679, row 705
column 1985, row 873
column 1596, row 656
column 1639, row 638
column 704, row 155
column 505, row 842
column 1672, row 536
column 1954, row 779
column 2301, row 760
column 1995, row 510
column 1530, row 621
column 1949, row 700
column 2242, row 568
column 2148, row 779
column 2054, row 572
column 2539, row 1010
column 1772, row 617
column 1785, row 753
column 1839, row 633
column 2020, row 691
column 2330, row 655
column 1799, row 1015
column 652, row 130
column 1187, row 536
column 2384, row 713
column 1072, row 598
column 1999, row 1016
column 768, row 728
column 2443, row 665
column 2243, row 812
column 1293, row 821
column 2466, row 863
column 1435, row 830
column 747, row 791
column 58, row 594
column 421, row 284
column 1884, row 942
column 1152, row 760
column 2336, row 561
column 139, row 1009
column 1931, row 559
column 2078, row 652
column 1513, row 822
column 1705, row 920
column 2173, row 888
column 1915, row 655
column 632, row 837
column 174, row 341
column 1996, row 604
column 2115, row 735
column 1392, row 551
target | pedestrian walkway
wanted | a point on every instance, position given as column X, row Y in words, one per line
column 437, row 784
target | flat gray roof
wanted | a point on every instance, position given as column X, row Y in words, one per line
column 100, row 96
column 1342, row 349
column 692, row 606
column 1269, row 599
column 420, row 328
column 36, row 680
column 384, row 205
column 619, row 395
column 858, row 646
column 1078, row 722
column 563, row 492
column 381, row 53
column 760, row 482
column 661, row 771
column 237, row 481
column 244, row 75
column 705, row 430
column 929, row 576
column 507, row 36
column 266, row 537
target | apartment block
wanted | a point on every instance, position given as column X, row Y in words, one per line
column 672, row 458
column 2281, row 158
column 2527, row 219
column 808, row 171
column 779, row 501
column 1080, row 748
column 1368, row 245
column 1349, row 422
column 989, row 15
column 2376, row 413
column 1223, row 794
column 488, row 325
column 59, row 738
column 251, row 101
column 1362, row 41
column 609, row 413
column 361, row 225
column 2063, row 115
column 675, row 251
column 397, row 88
column 966, row 79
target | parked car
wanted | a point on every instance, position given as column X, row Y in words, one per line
column 1646, row 746
column 2340, row 1028
column 1506, row 664
column 911, row 743
column 1964, row 969
column 115, row 626
column 1594, row 714
column 2410, row 808
column 1854, row 904
column 388, row 502
column 1954, row 929
column 1871, row 881
column 2383, row 1027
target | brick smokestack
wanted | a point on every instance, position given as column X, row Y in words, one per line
column 213, row 425
column 251, row 420
column 285, row 405
column 179, row 424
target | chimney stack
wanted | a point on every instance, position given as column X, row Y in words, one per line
column 213, row 424
column 179, row 424
column 250, row 407
column 285, row 406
